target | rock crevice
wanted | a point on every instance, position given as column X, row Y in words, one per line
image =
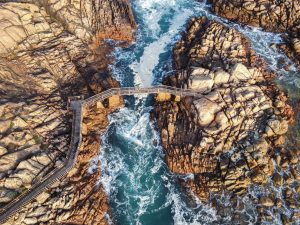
column 49, row 51
column 274, row 16
column 228, row 137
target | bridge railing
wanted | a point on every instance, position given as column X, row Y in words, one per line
column 145, row 90
column 47, row 181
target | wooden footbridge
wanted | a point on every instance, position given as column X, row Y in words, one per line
column 77, row 106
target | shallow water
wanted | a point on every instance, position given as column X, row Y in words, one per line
column 140, row 187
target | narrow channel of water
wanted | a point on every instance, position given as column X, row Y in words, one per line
column 140, row 187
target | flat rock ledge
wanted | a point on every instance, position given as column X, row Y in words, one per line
column 233, row 137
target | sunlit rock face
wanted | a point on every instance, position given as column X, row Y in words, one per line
column 226, row 138
column 272, row 15
column 90, row 21
column 50, row 50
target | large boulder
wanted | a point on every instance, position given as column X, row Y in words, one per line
column 226, row 138
column 207, row 110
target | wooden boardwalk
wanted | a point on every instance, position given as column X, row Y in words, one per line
column 77, row 107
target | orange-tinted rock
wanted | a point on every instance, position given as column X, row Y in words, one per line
column 214, row 137
column 273, row 16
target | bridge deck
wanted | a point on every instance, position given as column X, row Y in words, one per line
column 77, row 106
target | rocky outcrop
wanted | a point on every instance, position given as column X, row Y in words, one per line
column 88, row 20
column 230, row 136
column 51, row 50
column 273, row 16
column 93, row 21
column 78, row 198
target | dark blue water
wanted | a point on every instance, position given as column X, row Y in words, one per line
column 140, row 187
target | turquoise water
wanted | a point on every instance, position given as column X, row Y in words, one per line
column 140, row 187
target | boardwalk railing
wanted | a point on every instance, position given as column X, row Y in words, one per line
column 46, row 182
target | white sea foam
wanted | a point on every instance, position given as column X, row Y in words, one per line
column 133, row 139
column 143, row 68
column 146, row 159
column 152, row 12
column 110, row 169
column 134, row 126
column 136, row 169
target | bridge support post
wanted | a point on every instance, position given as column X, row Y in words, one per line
column 114, row 101
column 100, row 105
column 162, row 97
column 177, row 98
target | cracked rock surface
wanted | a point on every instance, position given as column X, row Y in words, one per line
column 50, row 50
column 271, row 15
column 229, row 137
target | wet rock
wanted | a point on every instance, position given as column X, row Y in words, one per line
column 292, row 47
